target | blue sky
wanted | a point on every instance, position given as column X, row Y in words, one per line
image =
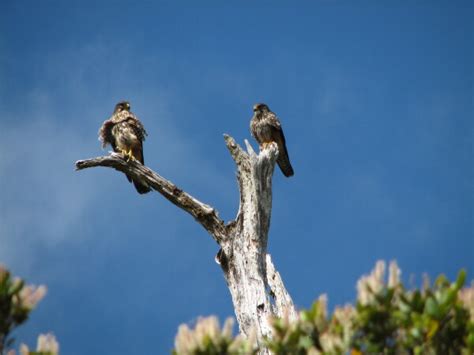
column 376, row 100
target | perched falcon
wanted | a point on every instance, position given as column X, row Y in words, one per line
column 266, row 128
column 125, row 133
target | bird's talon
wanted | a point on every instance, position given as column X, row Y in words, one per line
column 130, row 155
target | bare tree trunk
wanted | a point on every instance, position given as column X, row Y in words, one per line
column 256, row 287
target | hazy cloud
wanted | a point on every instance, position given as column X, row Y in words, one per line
column 42, row 198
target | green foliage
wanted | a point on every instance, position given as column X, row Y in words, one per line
column 17, row 300
column 207, row 338
column 386, row 319
column 299, row 337
column 13, row 312
column 432, row 321
column 313, row 332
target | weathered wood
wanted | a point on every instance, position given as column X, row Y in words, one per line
column 245, row 249
column 256, row 288
column 284, row 306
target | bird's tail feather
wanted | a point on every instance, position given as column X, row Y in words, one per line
column 137, row 153
column 284, row 163
column 141, row 188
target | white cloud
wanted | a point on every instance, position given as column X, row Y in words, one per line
column 40, row 199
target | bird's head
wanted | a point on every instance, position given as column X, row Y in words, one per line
column 260, row 108
column 122, row 106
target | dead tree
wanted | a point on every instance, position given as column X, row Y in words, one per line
column 256, row 287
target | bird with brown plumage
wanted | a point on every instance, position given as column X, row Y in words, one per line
column 125, row 133
column 266, row 128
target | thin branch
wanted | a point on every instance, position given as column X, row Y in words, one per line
column 204, row 214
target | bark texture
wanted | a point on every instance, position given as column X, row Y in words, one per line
column 256, row 287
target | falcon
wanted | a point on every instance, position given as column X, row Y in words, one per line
column 266, row 128
column 125, row 133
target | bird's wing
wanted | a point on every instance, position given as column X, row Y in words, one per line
column 140, row 132
column 278, row 136
column 283, row 159
column 137, row 126
column 273, row 121
column 105, row 133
